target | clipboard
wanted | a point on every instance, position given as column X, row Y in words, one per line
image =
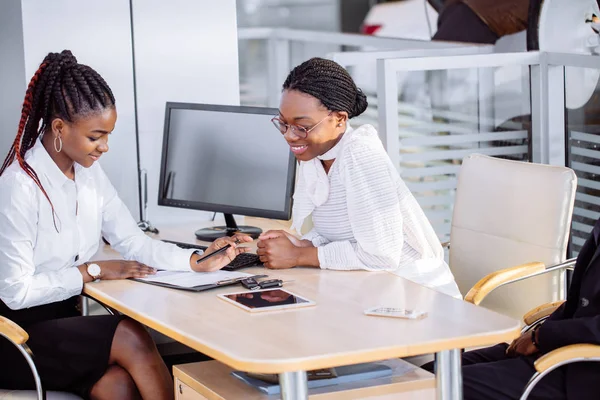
column 200, row 288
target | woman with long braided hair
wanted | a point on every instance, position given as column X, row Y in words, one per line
column 363, row 214
column 55, row 203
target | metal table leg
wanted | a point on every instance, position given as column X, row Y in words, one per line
column 448, row 375
column 294, row 385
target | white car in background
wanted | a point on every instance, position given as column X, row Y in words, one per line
column 409, row 19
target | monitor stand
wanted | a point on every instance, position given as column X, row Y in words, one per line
column 231, row 228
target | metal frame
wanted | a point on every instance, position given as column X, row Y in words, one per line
column 294, row 385
column 528, row 328
column 448, row 375
column 538, row 376
column 564, row 266
column 28, row 354
column 354, row 58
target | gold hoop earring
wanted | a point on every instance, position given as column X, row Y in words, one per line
column 59, row 147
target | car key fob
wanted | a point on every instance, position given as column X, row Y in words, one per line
column 250, row 283
column 271, row 283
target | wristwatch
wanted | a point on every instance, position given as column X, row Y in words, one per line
column 93, row 270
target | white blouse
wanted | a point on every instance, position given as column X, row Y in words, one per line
column 38, row 260
column 365, row 217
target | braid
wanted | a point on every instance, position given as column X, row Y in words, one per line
column 330, row 83
column 60, row 88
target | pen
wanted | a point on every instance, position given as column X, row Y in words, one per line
column 214, row 253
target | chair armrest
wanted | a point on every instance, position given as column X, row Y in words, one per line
column 509, row 275
column 540, row 312
column 499, row 278
column 12, row 331
column 568, row 354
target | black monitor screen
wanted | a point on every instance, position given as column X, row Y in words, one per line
column 226, row 159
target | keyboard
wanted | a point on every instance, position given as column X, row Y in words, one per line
column 243, row 260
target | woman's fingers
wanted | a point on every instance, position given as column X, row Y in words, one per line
column 139, row 270
column 230, row 253
column 241, row 238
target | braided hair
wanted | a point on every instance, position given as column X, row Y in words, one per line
column 60, row 88
column 329, row 82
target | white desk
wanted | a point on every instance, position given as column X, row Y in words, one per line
column 334, row 332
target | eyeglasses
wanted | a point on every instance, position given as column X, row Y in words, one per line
column 297, row 130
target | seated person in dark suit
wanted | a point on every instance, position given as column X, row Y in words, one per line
column 502, row 371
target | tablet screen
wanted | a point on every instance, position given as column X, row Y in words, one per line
column 260, row 300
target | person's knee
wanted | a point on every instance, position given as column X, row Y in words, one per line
column 134, row 337
column 116, row 383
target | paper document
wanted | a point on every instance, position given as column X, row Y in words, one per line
column 192, row 279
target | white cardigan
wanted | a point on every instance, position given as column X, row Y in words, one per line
column 365, row 217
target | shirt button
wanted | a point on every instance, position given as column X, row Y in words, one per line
column 584, row 302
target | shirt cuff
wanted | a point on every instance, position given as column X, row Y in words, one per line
column 182, row 259
column 319, row 241
column 334, row 255
column 72, row 282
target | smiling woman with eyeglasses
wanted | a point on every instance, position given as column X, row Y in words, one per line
column 363, row 214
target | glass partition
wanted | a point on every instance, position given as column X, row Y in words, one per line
column 582, row 120
column 443, row 115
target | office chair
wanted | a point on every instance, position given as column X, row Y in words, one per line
column 509, row 213
column 512, row 213
column 18, row 337
column 556, row 358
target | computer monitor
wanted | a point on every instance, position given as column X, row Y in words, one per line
column 226, row 159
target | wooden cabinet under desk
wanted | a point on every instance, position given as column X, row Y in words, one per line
column 212, row 380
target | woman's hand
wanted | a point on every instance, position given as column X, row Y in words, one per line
column 274, row 234
column 220, row 260
column 278, row 251
column 118, row 269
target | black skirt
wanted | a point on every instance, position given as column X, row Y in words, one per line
column 71, row 352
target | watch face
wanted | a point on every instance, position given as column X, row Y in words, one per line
column 94, row 270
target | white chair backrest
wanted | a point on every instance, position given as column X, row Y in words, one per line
column 508, row 213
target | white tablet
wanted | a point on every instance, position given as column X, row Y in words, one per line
column 266, row 300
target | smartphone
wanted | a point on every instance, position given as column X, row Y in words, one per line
column 395, row 312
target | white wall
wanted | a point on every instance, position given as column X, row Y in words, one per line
column 98, row 34
column 12, row 73
column 186, row 50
